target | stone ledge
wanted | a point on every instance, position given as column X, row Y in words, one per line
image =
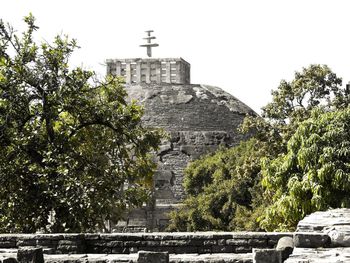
column 320, row 255
column 132, row 258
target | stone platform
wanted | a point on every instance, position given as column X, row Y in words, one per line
column 322, row 237
column 173, row 258
column 319, row 255
column 133, row 258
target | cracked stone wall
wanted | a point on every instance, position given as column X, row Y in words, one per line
column 198, row 118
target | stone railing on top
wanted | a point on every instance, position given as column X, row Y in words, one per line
column 125, row 243
column 150, row 70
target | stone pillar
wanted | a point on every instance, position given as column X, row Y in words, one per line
column 179, row 72
column 118, row 68
column 168, row 72
column 152, row 257
column 148, row 72
column 158, row 71
column 138, row 72
column 128, row 73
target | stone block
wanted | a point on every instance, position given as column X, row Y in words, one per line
column 7, row 244
column 222, row 242
column 69, row 249
column 311, row 240
column 267, row 256
column 174, row 243
column 91, row 236
column 117, row 250
column 243, row 249
column 30, row 255
column 222, row 249
column 8, row 260
column 237, row 242
column 286, row 246
column 204, row 250
column 209, row 242
column 258, row 243
column 47, row 242
column 339, row 235
column 113, row 244
column 187, row 249
column 26, row 242
column 152, row 257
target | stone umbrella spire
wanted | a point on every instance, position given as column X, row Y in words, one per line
column 149, row 43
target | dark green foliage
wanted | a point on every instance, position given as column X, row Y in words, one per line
column 221, row 188
column 71, row 146
column 314, row 173
column 225, row 190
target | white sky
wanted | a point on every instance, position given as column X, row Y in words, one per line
column 243, row 46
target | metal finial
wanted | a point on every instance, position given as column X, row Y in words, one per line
column 149, row 45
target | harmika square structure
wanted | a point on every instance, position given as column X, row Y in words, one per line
column 151, row 70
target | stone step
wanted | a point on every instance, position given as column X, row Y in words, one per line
column 173, row 258
column 320, row 255
column 132, row 258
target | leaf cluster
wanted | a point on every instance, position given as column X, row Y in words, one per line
column 314, row 173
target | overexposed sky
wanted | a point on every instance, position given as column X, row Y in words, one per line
column 243, row 46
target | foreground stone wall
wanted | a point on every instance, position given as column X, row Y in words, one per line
column 322, row 237
column 173, row 243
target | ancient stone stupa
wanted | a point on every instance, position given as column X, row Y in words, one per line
column 198, row 118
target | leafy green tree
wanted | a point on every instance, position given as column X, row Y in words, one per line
column 72, row 148
column 223, row 190
column 314, row 173
column 293, row 101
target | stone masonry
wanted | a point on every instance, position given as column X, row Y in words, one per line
column 126, row 243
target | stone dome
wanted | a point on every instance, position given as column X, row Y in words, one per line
column 198, row 118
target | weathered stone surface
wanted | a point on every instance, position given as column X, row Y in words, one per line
column 319, row 255
column 311, row 240
column 30, row 255
column 335, row 223
column 324, row 220
column 9, row 260
column 323, row 237
column 173, row 258
column 339, row 235
column 179, row 242
column 154, row 257
column 267, row 256
column 286, row 246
